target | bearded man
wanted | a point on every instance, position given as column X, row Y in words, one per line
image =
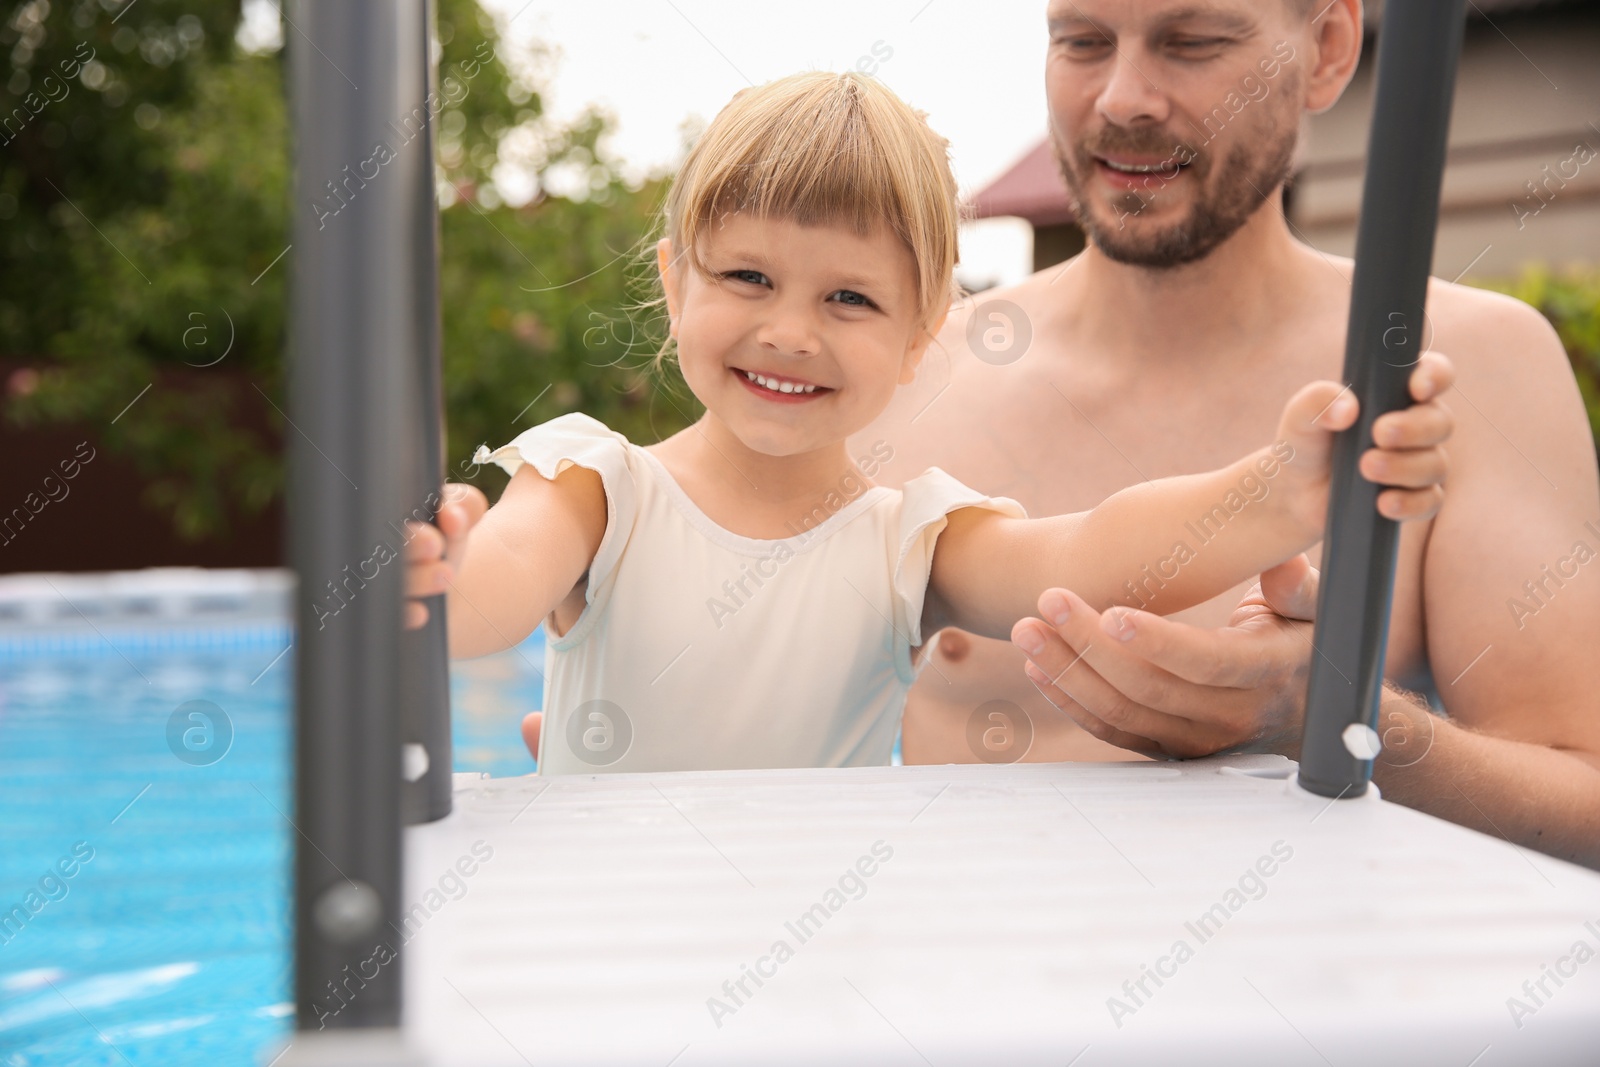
column 1169, row 346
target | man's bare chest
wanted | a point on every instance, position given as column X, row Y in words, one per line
column 1060, row 436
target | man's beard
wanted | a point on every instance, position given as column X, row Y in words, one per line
column 1247, row 180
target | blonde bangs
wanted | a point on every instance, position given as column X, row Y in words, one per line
column 821, row 148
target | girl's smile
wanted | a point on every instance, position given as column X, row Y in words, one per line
column 780, row 388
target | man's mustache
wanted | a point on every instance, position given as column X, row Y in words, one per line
column 1160, row 144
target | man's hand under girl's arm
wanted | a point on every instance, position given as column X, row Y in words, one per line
column 503, row 569
column 1168, row 544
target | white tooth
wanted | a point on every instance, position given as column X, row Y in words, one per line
column 1139, row 168
column 776, row 386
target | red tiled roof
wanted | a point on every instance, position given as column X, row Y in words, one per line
column 1032, row 189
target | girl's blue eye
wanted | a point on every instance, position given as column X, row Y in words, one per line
column 848, row 297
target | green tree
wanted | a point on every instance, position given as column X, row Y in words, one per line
column 144, row 210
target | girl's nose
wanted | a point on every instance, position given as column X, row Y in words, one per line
column 789, row 331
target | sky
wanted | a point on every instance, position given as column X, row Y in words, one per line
column 657, row 64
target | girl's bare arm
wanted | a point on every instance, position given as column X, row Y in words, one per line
column 1144, row 542
column 503, row 573
column 1168, row 544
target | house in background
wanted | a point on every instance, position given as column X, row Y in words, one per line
column 1034, row 190
column 1522, row 179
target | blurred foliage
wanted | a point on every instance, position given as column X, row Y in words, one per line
column 1571, row 301
column 144, row 204
column 144, row 201
column 524, row 326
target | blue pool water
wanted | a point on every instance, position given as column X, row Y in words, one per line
column 168, row 942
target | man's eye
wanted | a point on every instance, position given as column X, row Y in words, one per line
column 1082, row 46
column 1198, row 44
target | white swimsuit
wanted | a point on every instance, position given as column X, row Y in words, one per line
column 701, row 649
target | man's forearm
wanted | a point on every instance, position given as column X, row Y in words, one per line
column 1537, row 797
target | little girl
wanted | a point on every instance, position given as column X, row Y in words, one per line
column 739, row 595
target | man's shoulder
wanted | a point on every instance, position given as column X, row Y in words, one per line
column 1480, row 329
column 1464, row 321
column 1475, row 308
column 1029, row 291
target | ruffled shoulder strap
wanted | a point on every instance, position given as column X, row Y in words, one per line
column 927, row 502
column 576, row 439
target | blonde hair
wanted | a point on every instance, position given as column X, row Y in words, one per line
column 823, row 148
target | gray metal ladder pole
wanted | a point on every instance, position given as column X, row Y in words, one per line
column 425, row 664
column 1419, row 43
column 354, row 458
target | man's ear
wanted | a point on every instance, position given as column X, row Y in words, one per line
column 919, row 348
column 669, row 279
column 1335, row 35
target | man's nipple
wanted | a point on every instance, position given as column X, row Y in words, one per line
column 954, row 645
